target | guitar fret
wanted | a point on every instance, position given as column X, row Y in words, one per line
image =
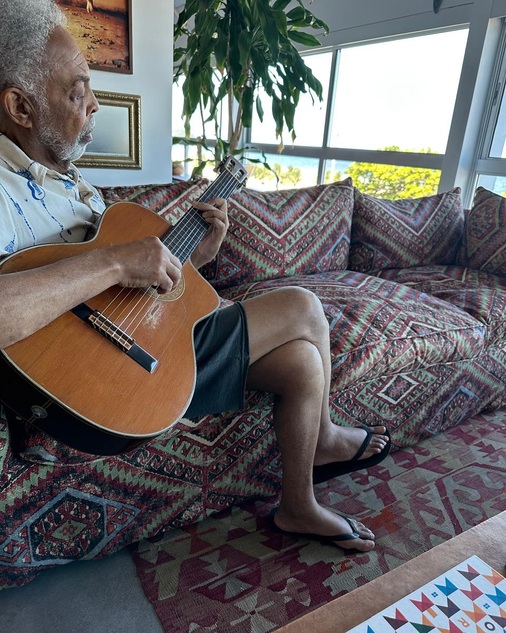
column 191, row 228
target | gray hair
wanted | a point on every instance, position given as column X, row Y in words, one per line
column 25, row 28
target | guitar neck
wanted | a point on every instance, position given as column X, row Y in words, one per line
column 189, row 231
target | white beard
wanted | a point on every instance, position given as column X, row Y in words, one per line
column 65, row 151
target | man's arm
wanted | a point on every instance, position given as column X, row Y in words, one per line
column 31, row 299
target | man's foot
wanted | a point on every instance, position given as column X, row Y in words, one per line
column 347, row 444
column 373, row 450
column 330, row 529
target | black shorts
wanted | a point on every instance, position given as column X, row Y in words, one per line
column 222, row 355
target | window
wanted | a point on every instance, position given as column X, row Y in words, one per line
column 398, row 95
column 491, row 164
column 309, row 122
column 385, row 116
column 384, row 119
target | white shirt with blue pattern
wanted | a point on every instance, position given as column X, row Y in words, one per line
column 41, row 206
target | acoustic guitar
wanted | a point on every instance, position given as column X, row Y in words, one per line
column 119, row 369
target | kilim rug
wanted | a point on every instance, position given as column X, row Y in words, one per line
column 232, row 573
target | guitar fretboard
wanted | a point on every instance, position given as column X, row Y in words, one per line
column 191, row 228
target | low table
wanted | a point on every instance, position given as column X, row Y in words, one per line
column 487, row 541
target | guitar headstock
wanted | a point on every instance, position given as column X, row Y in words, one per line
column 234, row 167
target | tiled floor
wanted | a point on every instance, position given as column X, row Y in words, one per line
column 101, row 596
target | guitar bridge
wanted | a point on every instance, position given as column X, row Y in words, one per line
column 114, row 334
column 111, row 331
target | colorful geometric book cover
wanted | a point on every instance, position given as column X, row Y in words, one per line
column 469, row 598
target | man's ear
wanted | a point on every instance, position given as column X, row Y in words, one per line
column 17, row 107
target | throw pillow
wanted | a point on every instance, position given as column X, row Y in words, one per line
column 171, row 200
column 283, row 233
column 484, row 243
column 405, row 233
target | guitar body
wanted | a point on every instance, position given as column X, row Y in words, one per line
column 74, row 383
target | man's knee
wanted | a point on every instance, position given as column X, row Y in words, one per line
column 302, row 302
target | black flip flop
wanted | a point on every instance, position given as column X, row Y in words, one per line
column 334, row 469
column 325, row 540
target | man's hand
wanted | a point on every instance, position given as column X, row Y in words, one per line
column 215, row 212
column 145, row 263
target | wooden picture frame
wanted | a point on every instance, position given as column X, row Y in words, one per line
column 103, row 30
column 117, row 135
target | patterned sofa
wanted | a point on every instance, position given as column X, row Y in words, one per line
column 415, row 295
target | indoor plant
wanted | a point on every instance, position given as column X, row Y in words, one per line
column 227, row 50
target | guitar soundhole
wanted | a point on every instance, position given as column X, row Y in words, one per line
column 173, row 295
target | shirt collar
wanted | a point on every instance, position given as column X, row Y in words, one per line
column 13, row 158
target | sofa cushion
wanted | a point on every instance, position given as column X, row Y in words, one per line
column 282, row 233
column 484, row 242
column 382, row 328
column 403, row 233
column 170, row 200
column 478, row 293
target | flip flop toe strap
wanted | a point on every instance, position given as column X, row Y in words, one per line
column 353, row 536
column 364, row 445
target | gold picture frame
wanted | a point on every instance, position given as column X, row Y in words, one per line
column 117, row 135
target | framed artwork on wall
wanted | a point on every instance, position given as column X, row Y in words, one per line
column 117, row 135
column 103, row 30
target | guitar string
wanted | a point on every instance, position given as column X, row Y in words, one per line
column 187, row 246
column 134, row 290
column 188, row 242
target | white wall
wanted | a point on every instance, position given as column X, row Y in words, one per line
column 152, row 26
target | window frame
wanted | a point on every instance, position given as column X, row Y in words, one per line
column 326, row 152
column 484, row 164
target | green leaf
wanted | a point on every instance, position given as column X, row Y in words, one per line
column 259, row 109
column 277, row 115
column 296, row 15
column 280, row 5
column 303, row 38
column 247, row 107
column 221, row 44
column 245, row 43
column 269, row 28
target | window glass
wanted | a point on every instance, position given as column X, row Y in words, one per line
column 497, row 184
column 385, row 181
column 398, row 94
column 498, row 147
column 309, row 122
column 292, row 171
column 198, row 122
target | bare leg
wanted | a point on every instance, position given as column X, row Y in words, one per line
column 291, row 314
column 290, row 357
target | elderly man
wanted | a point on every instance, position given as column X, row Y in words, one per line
column 279, row 341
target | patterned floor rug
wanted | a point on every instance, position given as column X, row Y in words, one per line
column 232, row 573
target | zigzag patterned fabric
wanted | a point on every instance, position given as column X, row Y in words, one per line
column 390, row 348
column 484, row 246
column 379, row 328
column 280, row 233
column 271, row 234
column 481, row 295
column 404, row 233
column 167, row 200
column 63, row 505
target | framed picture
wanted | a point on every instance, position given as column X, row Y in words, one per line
column 117, row 134
column 103, row 30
